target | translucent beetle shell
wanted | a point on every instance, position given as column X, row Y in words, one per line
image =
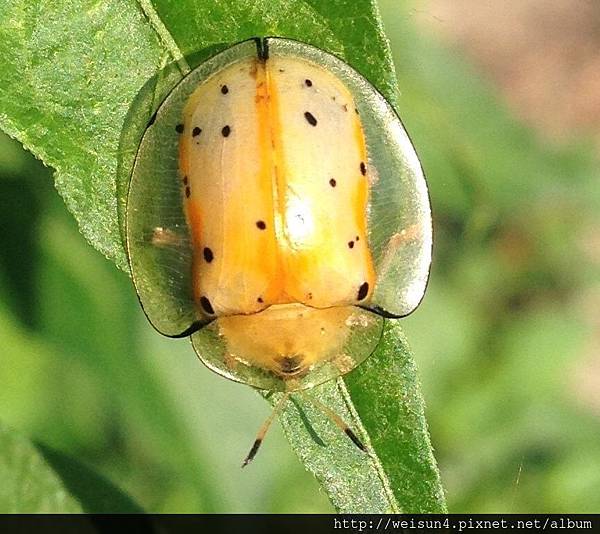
column 277, row 211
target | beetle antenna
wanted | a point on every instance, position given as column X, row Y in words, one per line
column 336, row 419
column 264, row 429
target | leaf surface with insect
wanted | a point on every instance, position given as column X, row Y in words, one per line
column 70, row 112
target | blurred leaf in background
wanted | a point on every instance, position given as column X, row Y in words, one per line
column 37, row 479
column 28, row 483
column 504, row 338
column 507, row 337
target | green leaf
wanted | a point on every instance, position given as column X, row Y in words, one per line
column 79, row 81
column 386, row 393
column 29, row 485
column 351, row 30
column 70, row 71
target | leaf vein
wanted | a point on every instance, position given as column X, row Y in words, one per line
column 164, row 35
column 394, row 506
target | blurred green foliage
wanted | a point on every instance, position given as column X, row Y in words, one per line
column 502, row 338
column 505, row 332
column 28, row 482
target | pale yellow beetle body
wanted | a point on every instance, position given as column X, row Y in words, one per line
column 275, row 188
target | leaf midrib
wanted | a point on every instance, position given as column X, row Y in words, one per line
column 374, row 459
column 164, row 35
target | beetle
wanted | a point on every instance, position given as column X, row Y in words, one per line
column 277, row 213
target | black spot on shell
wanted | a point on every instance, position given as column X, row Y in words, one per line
column 357, row 238
column 261, row 225
column 259, row 300
column 308, row 82
column 196, row 131
column 208, row 254
column 179, row 128
column 188, row 192
column 226, row 131
column 363, row 290
column 224, row 89
column 332, row 182
column 356, row 111
column 185, row 180
column 310, row 118
column 350, row 244
column 363, row 168
column 206, row 305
